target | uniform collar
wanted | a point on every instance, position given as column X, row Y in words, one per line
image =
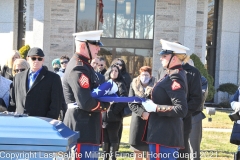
column 176, row 67
column 83, row 58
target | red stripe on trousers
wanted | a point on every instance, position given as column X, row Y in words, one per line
column 157, row 152
column 78, row 151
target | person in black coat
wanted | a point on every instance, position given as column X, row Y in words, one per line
column 195, row 136
column 84, row 111
column 168, row 105
column 141, row 86
column 112, row 119
column 37, row 91
column 194, row 100
column 127, row 78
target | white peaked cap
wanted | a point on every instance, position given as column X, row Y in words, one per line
column 88, row 35
column 172, row 46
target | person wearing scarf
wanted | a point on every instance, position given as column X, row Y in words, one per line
column 141, row 86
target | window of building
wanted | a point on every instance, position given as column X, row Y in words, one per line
column 86, row 15
column 134, row 58
column 127, row 29
column 133, row 19
column 211, row 40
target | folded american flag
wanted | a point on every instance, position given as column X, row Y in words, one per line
column 106, row 92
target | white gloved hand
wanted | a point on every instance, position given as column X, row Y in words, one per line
column 235, row 106
column 149, row 106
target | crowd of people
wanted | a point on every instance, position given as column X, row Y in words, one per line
column 167, row 122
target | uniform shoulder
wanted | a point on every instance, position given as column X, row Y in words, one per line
column 177, row 75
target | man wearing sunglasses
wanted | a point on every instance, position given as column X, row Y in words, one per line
column 63, row 61
column 102, row 65
column 37, row 91
column 84, row 112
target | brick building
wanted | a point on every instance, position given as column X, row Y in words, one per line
column 131, row 30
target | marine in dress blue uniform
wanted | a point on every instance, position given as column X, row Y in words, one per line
column 84, row 112
column 168, row 106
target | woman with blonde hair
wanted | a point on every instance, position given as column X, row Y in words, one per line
column 7, row 68
column 167, row 106
column 19, row 65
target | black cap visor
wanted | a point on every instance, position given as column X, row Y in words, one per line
column 166, row 52
column 98, row 43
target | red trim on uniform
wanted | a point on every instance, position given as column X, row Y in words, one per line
column 98, row 105
column 101, row 140
column 145, row 128
column 78, row 151
column 157, row 152
column 90, row 144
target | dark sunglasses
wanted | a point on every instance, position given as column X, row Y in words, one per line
column 118, row 64
column 19, row 70
column 34, row 58
column 64, row 62
column 100, row 65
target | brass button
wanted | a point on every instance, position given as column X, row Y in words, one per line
column 100, row 107
column 105, row 108
column 89, row 114
column 159, row 108
column 163, row 108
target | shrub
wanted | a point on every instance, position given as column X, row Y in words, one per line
column 23, row 51
column 199, row 65
column 230, row 88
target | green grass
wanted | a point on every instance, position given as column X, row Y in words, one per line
column 219, row 120
column 215, row 145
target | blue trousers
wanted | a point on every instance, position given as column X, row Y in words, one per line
column 157, row 152
column 86, row 152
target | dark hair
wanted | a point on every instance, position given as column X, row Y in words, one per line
column 145, row 69
column 119, row 78
column 123, row 70
column 65, row 57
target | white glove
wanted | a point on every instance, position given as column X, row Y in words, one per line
column 235, row 105
column 149, row 106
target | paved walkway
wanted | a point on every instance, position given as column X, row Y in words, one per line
column 217, row 129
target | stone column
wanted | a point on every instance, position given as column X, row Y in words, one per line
column 187, row 22
column 29, row 23
column 201, row 29
column 166, row 27
column 227, row 52
column 8, row 26
column 41, row 25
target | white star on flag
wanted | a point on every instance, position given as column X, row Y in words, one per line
column 96, row 90
column 106, row 91
column 134, row 101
